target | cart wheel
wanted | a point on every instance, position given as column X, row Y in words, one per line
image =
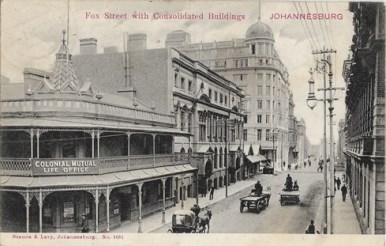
column 170, row 231
column 241, row 208
column 281, row 203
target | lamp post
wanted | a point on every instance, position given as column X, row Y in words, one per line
column 311, row 102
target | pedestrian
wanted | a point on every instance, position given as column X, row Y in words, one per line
column 85, row 226
column 309, row 162
column 311, row 228
column 338, row 182
column 258, row 188
column 344, row 192
column 211, row 193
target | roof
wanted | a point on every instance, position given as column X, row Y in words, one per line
column 259, row 30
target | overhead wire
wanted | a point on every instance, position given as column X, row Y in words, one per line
column 326, row 26
column 329, row 21
column 312, row 24
column 326, row 44
column 313, row 46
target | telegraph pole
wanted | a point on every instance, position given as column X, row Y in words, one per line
column 329, row 181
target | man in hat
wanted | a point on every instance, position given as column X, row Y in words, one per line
column 85, row 226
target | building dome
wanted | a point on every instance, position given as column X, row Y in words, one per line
column 259, row 30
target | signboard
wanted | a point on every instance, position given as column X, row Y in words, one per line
column 64, row 166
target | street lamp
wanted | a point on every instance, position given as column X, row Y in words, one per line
column 311, row 102
column 311, row 99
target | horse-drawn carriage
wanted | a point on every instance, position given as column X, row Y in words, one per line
column 185, row 221
column 255, row 201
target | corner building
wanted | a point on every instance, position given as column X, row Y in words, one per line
column 69, row 147
column 255, row 66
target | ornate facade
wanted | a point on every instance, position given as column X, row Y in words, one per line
column 255, row 66
column 364, row 74
column 68, row 149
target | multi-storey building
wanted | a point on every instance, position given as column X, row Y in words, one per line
column 302, row 142
column 340, row 148
column 364, row 74
column 254, row 65
column 205, row 105
column 69, row 148
column 292, row 134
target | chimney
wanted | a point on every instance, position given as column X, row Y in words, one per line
column 136, row 42
column 88, row 46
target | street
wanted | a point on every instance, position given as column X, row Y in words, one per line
column 275, row 218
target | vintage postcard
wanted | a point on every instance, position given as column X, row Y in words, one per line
column 138, row 122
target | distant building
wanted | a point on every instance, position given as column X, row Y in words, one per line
column 340, row 148
column 364, row 74
column 302, row 143
column 254, row 65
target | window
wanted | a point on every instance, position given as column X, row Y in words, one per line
column 259, row 76
column 221, row 98
column 175, row 80
column 215, row 96
column 236, row 63
column 268, row 90
column 233, row 135
column 225, row 100
column 190, row 83
column 267, row 135
column 259, row 118
column 245, row 135
column 273, row 105
column 202, row 133
column 273, row 119
column 273, row 77
column 258, row 134
column 210, row 93
column 245, row 118
column 268, row 77
column 266, row 49
column 260, row 49
column 253, row 49
column 259, row 104
column 267, row 119
column 259, row 90
column 268, row 103
column 182, row 83
column 273, row 90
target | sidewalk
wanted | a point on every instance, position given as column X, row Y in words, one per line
column 154, row 221
column 344, row 218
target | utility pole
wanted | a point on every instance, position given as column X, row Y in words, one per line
column 226, row 157
column 328, row 179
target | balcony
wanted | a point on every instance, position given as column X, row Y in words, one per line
column 87, row 166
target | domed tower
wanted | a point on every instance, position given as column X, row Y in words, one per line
column 259, row 39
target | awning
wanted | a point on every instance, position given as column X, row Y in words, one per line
column 233, row 148
column 246, row 149
column 204, row 149
column 256, row 149
column 256, row 158
column 110, row 179
column 83, row 123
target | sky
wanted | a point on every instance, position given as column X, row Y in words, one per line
column 31, row 35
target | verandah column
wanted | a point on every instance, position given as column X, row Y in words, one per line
column 163, row 199
column 140, row 207
column 154, row 149
column 40, row 212
column 37, row 143
column 108, row 208
column 27, row 204
column 96, row 198
column 98, row 142
column 32, row 143
column 92, row 144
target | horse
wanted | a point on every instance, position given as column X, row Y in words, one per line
column 203, row 222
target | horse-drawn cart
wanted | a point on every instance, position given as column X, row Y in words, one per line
column 184, row 221
column 289, row 196
column 255, row 201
